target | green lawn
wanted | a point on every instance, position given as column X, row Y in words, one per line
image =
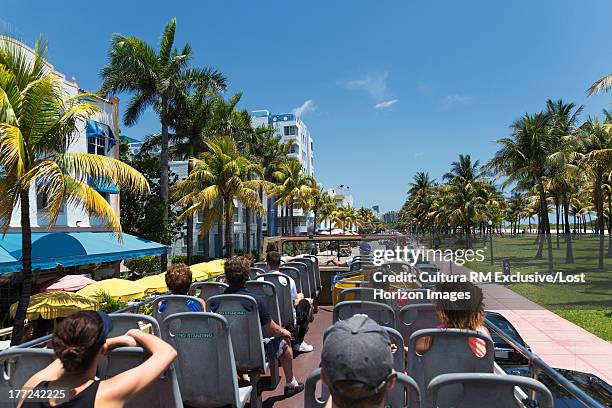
column 589, row 304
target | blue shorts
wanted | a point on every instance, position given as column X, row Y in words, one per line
column 274, row 348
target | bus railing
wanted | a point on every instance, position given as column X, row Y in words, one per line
column 537, row 366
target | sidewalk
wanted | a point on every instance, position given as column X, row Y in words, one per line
column 560, row 343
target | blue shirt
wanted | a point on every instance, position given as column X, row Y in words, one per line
column 193, row 305
column 262, row 307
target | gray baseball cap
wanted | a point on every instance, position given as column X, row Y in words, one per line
column 357, row 349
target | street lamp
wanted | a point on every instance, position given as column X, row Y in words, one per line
column 491, row 239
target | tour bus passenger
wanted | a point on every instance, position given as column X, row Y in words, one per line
column 460, row 314
column 364, row 250
column 357, row 364
column 178, row 280
column 302, row 307
column 236, row 274
column 79, row 343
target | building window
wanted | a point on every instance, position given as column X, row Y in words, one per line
column 236, row 215
column 290, row 130
column 42, row 199
column 294, row 148
column 237, row 240
column 96, row 145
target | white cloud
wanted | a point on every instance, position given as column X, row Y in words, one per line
column 455, row 99
column 374, row 83
column 386, row 104
column 307, row 106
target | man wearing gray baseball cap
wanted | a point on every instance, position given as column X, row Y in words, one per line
column 357, row 364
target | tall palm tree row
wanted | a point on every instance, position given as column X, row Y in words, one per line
column 38, row 122
column 552, row 163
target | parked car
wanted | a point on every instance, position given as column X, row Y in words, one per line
column 594, row 386
column 504, row 352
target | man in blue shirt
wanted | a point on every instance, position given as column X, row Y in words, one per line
column 178, row 280
column 236, row 274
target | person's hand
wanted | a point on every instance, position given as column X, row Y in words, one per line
column 121, row 341
column 286, row 334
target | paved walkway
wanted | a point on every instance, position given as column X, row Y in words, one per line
column 559, row 342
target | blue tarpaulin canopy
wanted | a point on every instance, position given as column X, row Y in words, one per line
column 52, row 249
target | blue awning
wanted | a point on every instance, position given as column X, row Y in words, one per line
column 94, row 128
column 104, row 186
column 53, row 249
column 8, row 263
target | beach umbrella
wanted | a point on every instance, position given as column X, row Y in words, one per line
column 118, row 289
column 69, row 283
column 207, row 269
column 50, row 305
column 154, row 283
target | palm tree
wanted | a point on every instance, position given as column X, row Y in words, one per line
column 38, row 122
column 594, row 153
column 216, row 180
column 312, row 202
column 292, row 184
column 603, row 84
column 269, row 152
column 327, row 208
column 191, row 119
column 157, row 80
column 465, row 183
column 525, row 156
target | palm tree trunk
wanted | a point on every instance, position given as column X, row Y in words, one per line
column 247, row 220
column 259, row 223
column 545, row 224
column 557, row 215
column 206, row 247
column 569, row 253
column 26, row 272
column 284, row 220
column 189, row 240
column 291, row 220
column 163, row 178
column 529, row 218
column 220, row 247
column 600, row 221
column 314, row 221
column 610, row 223
column 229, row 242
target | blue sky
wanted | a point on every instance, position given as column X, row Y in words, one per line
column 395, row 87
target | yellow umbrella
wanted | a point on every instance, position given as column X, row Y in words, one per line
column 56, row 303
column 154, row 283
column 118, row 289
column 207, row 269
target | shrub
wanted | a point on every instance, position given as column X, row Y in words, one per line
column 183, row 259
column 144, row 266
column 108, row 304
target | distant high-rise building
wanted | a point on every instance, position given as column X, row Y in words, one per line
column 390, row 217
column 290, row 128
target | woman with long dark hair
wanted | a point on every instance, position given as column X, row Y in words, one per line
column 79, row 342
